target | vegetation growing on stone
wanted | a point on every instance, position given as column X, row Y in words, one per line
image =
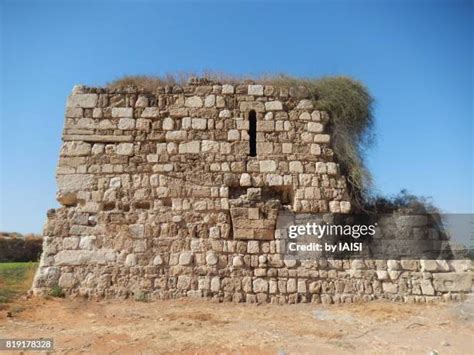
column 347, row 100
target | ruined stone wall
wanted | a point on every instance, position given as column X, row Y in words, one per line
column 160, row 198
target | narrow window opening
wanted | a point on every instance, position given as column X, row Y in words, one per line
column 252, row 133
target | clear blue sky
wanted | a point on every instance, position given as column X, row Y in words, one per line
column 415, row 56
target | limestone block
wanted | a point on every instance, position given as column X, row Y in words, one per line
column 199, row 123
column 126, row 112
column 184, row 282
column 305, row 105
column 176, row 135
column 224, row 114
column 334, row 207
column 137, row 230
column 139, row 245
column 296, row 167
column 209, row 146
column 273, row 106
column 315, row 149
column 81, row 257
column 215, row 284
column 305, row 116
column 186, row 258
column 267, row 166
column 315, row 127
column 427, row 288
column 87, row 242
column 126, row 123
column 265, row 126
column 192, row 147
column 75, row 149
column 125, row 149
column 237, row 261
column 142, row 101
column 287, row 148
column 260, row 285
column 212, row 259
column 220, row 102
column 74, row 182
column 389, row 287
column 66, row 280
column 316, row 116
column 321, row 168
column 291, row 286
column 74, row 112
column 168, row 124
column 256, row 90
column 274, row 180
column 204, row 283
column 257, row 106
column 143, row 124
column 193, row 102
column 301, row 288
column 227, row 89
column 233, row 135
column 70, row 243
column 345, row 207
column 428, row 265
column 151, row 112
column 210, row 101
column 331, row 168
column 161, row 148
column 245, row 180
column 158, row 260
column 461, row 265
column 452, row 282
column 82, row 100
column 322, row 138
column 253, row 247
column 265, row 148
column 214, row 232
column 411, row 265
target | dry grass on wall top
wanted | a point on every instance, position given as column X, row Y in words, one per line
column 347, row 100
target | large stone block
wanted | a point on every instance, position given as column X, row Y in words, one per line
column 256, row 90
column 82, row 100
column 194, row 102
column 74, row 182
column 75, row 149
column 452, row 281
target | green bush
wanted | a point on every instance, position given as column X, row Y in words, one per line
column 401, row 201
column 56, row 291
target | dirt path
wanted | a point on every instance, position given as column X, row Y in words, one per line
column 190, row 326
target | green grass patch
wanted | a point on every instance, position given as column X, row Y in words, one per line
column 15, row 279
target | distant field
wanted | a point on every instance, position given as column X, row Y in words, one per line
column 15, row 279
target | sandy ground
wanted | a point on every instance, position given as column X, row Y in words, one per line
column 205, row 327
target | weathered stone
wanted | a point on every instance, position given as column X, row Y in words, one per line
column 82, row 100
column 125, row 149
column 260, row 285
column 452, row 282
column 256, row 90
column 194, row 101
column 273, row 106
column 126, row 112
column 186, row 258
column 75, row 149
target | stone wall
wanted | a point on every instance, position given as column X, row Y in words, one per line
column 161, row 198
